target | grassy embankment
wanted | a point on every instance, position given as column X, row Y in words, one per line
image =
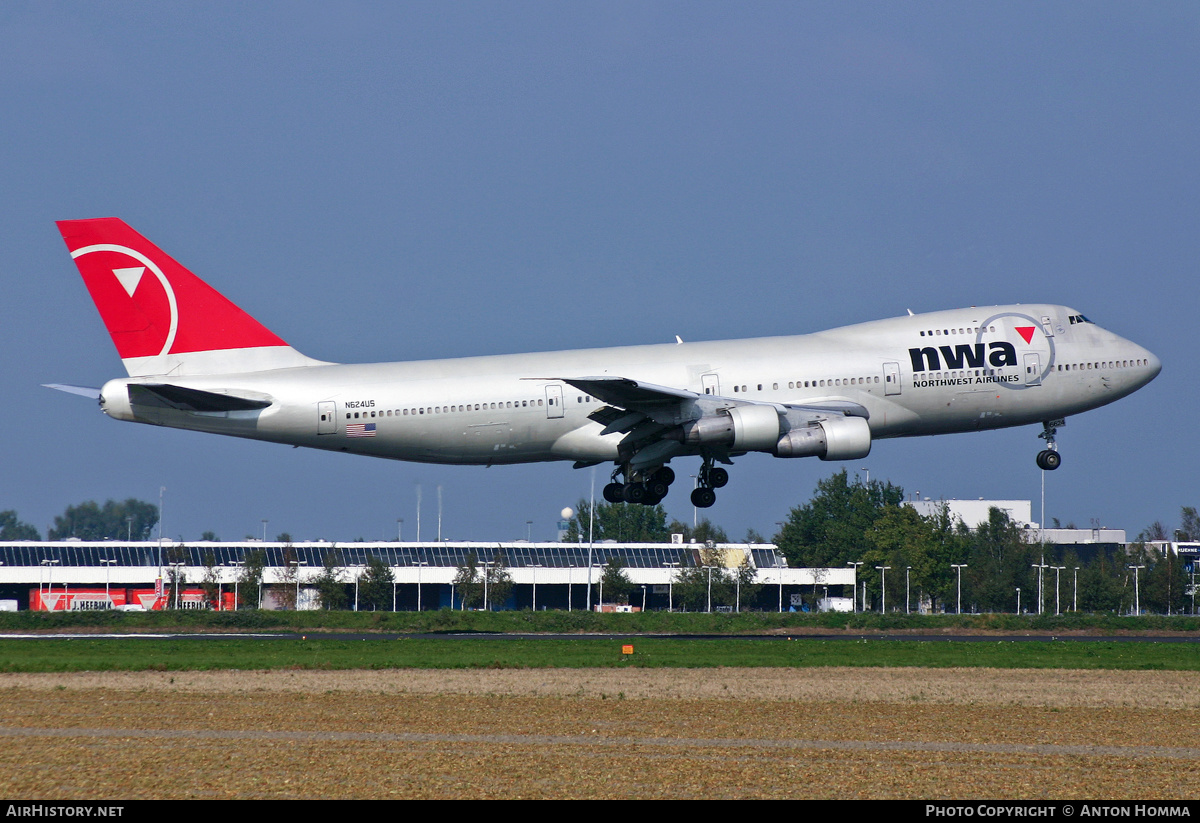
column 317, row 651
column 653, row 622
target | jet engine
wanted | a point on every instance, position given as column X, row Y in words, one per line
column 838, row 438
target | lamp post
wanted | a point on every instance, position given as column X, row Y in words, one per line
column 358, row 567
column 671, row 586
column 108, row 564
column 49, row 564
column 1137, row 594
column 1041, row 598
column 708, row 607
column 1057, row 574
column 1018, row 599
column 535, row 567
column 960, row 567
column 236, row 564
column 175, row 580
column 882, row 587
column 1075, row 598
column 420, row 564
column 853, row 602
column 297, row 564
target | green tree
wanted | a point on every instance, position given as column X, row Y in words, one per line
column 331, row 589
column 616, row 584
column 623, row 522
column 375, row 585
column 1189, row 525
column 468, row 583
column 499, row 581
column 710, row 581
column 210, row 537
column 251, row 578
column 998, row 562
column 746, row 591
column 13, row 529
column 210, row 584
column 113, row 521
column 830, row 529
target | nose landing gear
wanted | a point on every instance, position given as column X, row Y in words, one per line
column 1049, row 459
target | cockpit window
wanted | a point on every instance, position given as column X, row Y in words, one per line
column 1078, row 318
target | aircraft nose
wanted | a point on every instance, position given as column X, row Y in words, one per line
column 1153, row 366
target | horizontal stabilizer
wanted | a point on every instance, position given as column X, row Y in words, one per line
column 82, row 391
column 178, row 397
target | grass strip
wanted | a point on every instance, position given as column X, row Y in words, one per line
column 153, row 654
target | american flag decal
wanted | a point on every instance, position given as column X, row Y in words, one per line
column 360, row 429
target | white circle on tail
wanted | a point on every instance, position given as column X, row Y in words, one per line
column 162, row 278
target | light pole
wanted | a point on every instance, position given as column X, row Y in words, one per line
column 853, row 603
column 175, row 580
column 1137, row 594
column 907, row 600
column 49, row 564
column 1057, row 573
column 960, row 567
column 108, row 564
column 535, row 567
column 671, row 586
column 297, row 564
column 1041, row 598
column 420, row 564
column 236, row 564
column 487, row 573
column 1018, row 599
column 600, row 593
column 708, row 608
column 358, row 567
column 882, row 587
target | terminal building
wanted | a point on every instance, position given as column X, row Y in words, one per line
column 75, row 575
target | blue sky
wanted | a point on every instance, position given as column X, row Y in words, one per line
column 392, row 181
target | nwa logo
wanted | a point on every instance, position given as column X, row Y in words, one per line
column 966, row 356
column 1003, row 365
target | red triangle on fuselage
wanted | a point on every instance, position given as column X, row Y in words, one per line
column 1026, row 332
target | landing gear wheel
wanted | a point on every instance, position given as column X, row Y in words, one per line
column 1049, row 460
column 664, row 475
column 703, row 498
column 614, row 493
column 657, row 489
column 635, row 493
column 717, row 477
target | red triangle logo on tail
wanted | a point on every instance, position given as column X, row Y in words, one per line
column 1026, row 332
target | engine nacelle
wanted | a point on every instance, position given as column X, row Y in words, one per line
column 742, row 429
column 841, row 438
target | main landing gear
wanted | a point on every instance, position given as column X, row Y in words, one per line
column 1049, row 459
column 710, row 477
column 646, row 488
column 649, row 487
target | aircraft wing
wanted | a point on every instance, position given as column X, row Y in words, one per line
column 655, row 419
column 628, row 394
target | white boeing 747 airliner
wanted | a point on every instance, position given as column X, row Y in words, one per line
column 196, row 361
